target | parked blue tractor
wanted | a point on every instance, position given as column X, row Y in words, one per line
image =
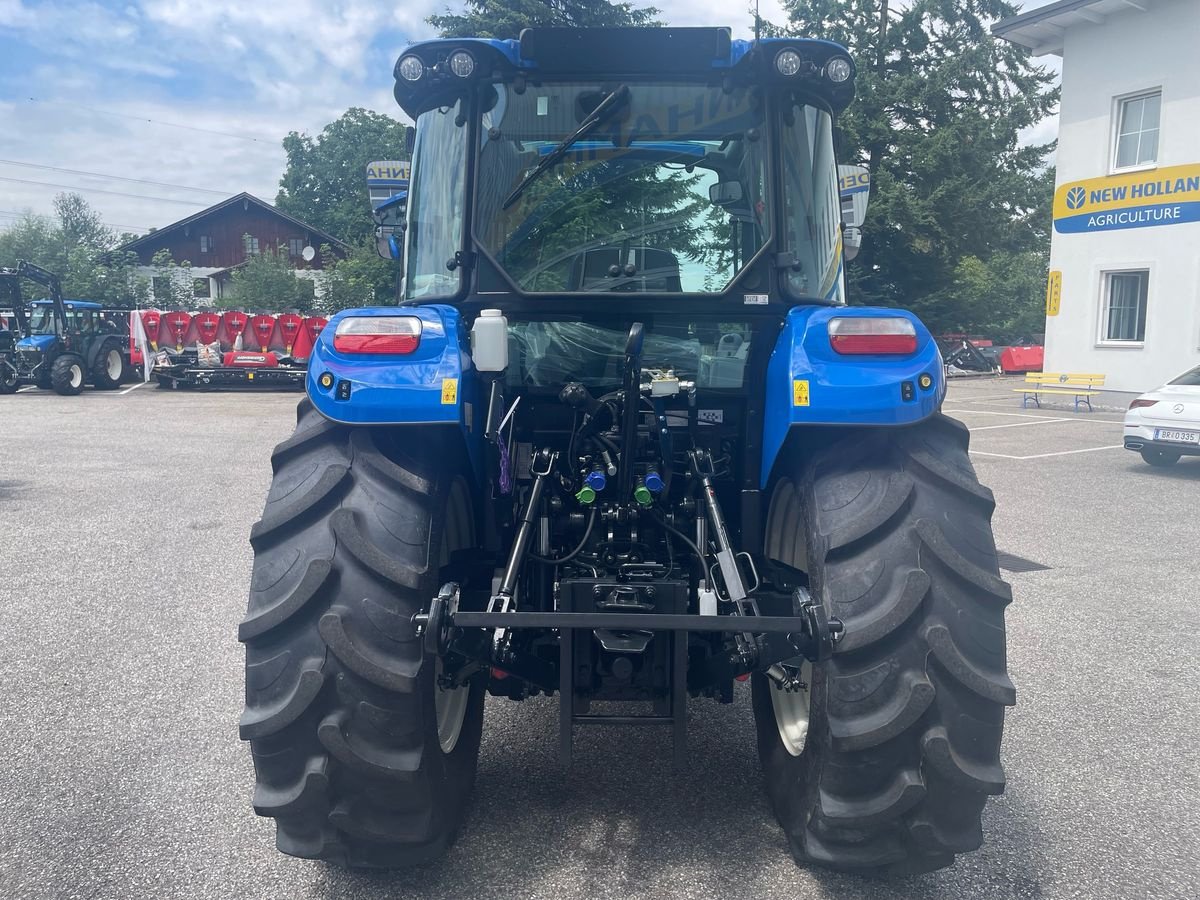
column 623, row 442
column 56, row 343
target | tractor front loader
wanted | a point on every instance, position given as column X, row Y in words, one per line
column 623, row 443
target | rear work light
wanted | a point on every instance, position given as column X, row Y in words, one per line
column 1138, row 404
column 378, row 334
column 860, row 335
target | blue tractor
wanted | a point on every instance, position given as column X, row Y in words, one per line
column 623, row 443
column 57, row 343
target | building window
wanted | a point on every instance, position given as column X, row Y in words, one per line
column 1125, row 296
column 200, row 287
column 1137, row 131
column 251, row 244
column 205, row 243
column 295, row 246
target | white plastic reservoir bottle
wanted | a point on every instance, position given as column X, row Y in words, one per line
column 489, row 341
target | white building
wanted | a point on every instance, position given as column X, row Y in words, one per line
column 1124, row 292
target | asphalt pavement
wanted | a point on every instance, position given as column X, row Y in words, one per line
column 123, row 570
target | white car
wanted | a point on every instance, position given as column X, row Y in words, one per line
column 1164, row 425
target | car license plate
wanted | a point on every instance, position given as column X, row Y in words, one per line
column 1177, row 437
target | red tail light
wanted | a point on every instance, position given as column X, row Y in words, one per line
column 1139, row 403
column 860, row 335
column 378, row 334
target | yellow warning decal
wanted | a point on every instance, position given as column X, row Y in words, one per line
column 449, row 391
column 799, row 393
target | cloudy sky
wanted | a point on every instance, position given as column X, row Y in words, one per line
column 185, row 102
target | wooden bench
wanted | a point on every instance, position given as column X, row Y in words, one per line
column 1071, row 384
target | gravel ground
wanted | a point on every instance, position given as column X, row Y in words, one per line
column 123, row 566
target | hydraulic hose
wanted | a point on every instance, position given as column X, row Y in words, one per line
column 587, row 533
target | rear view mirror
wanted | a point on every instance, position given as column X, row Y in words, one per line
column 390, row 224
column 387, row 241
column 851, row 242
column 725, row 193
column 854, row 186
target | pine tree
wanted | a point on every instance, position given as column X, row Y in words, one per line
column 937, row 119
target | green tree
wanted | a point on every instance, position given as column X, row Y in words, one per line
column 324, row 183
column 504, row 19
column 80, row 225
column 35, row 238
column 940, row 105
column 267, row 282
column 171, row 284
column 363, row 278
column 78, row 247
column 108, row 277
column 1002, row 297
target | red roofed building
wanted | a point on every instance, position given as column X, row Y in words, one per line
column 219, row 239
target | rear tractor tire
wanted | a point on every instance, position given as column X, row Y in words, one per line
column 883, row 763
column 360, row 756
column 67, row 375
column 108, row 369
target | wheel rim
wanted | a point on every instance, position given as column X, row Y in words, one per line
column 792, row 711
column 114, row 364
column 450, row 705
column 76, row 375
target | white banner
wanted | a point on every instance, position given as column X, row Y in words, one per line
column 137, row 330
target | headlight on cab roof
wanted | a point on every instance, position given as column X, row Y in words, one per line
column 394, row 335
column 838, row 70
column 787, row 62
column 461, row 63
column 411, row 68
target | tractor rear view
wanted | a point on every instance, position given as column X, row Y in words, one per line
column 63, row 344
column 624, row 444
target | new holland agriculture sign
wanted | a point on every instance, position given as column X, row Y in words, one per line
column 1167, row 196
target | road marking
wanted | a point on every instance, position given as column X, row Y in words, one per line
column 1018, row 424
column 982, row 399
column 28, row 387
column 128, row 389
column 993, row 412
column 1045, row 455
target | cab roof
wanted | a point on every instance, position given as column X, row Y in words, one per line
column 71, row 304
column 619, row 53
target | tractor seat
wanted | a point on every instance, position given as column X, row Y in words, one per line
column 633, row 269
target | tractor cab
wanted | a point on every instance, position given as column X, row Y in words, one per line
column 675, row 165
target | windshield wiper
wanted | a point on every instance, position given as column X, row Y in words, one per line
column 594, row 120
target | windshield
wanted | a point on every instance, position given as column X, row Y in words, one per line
column 42, row 320
column 666, row 193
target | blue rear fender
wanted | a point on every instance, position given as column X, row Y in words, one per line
column 436, row 384
column 809, row 383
